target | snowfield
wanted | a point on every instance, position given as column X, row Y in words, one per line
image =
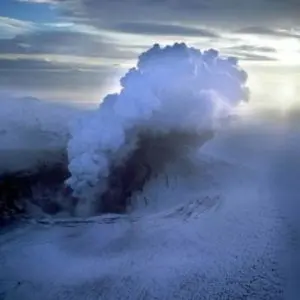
column 211, row 230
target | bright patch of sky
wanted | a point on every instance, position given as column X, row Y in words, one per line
column 26, row 11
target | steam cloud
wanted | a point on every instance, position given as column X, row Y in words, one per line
column 176, row 90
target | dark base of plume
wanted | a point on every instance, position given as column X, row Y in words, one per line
column 44, row 187
column 148, row 160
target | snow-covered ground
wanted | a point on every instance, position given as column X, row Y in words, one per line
column 216, row 225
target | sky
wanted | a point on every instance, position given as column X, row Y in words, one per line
column 76, row 49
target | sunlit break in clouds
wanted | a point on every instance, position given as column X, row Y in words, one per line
column 80, row 48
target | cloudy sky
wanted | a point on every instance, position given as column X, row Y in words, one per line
column 74, row 49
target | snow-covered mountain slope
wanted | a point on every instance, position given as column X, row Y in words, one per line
column 209, row 231
column 219, row 224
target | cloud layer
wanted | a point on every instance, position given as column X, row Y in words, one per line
column 217, row 12
column 94, row 35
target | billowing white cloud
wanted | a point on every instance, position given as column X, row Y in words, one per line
column 175, row 88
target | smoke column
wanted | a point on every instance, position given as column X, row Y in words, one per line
column 175, row 89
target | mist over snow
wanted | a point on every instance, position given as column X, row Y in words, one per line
column 175, row 89
column 32, row 131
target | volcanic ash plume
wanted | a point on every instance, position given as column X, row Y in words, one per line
column 173, row 99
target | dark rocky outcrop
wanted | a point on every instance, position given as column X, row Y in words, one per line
column 39, row 187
